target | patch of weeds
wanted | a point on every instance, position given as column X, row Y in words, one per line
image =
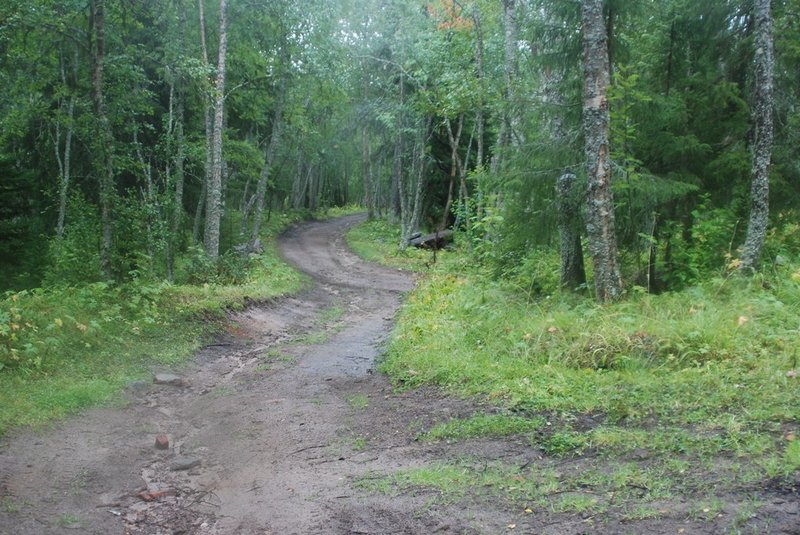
column 8, row 505
column 222, row 391
column 331, row 314
column 374, row 483
column 483, row 425
column 641, row 512
column 359, row 443
column 358, row 401
column 791, row 457
column 705, row 510
column 378, row 241
column 316, row 401
column 275, row 355
column 325, row 327
column 577, row 503
column 69, row 521
column 745, row 512
column 562, row 443
column 263, row 367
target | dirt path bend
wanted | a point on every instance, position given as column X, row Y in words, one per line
column 268, row 433
column 259, row 415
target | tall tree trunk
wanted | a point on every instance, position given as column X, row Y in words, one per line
column 454, row 140
column 397, row 157
column 480, row 119
column 411, row 195
column 573, row 274
column 177, row 209
column 369, row 201
column 510, row 74
column 214, row 191
column 208, row 121
column 600, row 207
column 104, row 163
column 269, row 157
column 762, row 143
column 198, row 213
column 65, row 164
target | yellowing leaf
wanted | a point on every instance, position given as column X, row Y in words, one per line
column 742, row 320
column 58, row 322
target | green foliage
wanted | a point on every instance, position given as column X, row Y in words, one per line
column 68, row 347
column 483, row 425
column 378, row 241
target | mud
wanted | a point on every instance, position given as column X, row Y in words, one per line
column 276, row 424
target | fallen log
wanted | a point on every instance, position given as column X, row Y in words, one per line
column 437, row 240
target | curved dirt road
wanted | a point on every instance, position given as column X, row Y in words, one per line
column 256, row 415
column 269, row 433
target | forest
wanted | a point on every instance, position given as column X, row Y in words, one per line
column 621, row 179
column 142, row 139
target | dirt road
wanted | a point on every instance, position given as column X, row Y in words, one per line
column 268, row 429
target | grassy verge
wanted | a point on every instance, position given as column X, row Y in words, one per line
column 63, row 349
column 377, row 241
column 688, row 394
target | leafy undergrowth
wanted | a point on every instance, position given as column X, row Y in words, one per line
column 62, row 349
column 377, row 241
column 685, row 395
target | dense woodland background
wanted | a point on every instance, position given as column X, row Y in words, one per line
column 621, row 177
column 143, row 140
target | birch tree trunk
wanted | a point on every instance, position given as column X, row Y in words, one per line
column 65, row 164
column 762, row 143
column 600, row 207
column 214, row 190
column 104, row 163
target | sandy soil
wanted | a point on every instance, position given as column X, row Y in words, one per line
column 273, row 426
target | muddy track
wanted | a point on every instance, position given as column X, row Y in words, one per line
column 273, row 431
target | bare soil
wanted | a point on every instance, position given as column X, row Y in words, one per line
column 276, row 423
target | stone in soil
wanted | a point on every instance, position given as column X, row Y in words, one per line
column 169, row 379
column 185, row 463
column 162, row 442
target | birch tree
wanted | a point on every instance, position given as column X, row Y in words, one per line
column 214, row 189
column 600, row 199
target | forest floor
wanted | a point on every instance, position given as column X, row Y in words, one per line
column 281, row 427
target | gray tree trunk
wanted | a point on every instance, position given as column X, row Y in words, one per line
column 269, row 158
column 65, row 164
column 207, row 111
column 762, row 143
column 480, row 119
column 573, row 274
column 177, row 209
column 369, row 201
column 411, row 195
column 600, row 201
column 510, row 75
column 214, row 190
column 104, row 165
